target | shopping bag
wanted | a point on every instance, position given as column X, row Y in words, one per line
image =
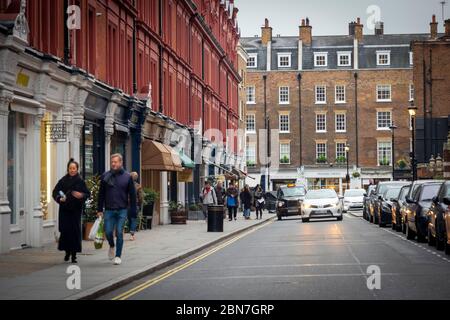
column 98, row 241
column 94, row 229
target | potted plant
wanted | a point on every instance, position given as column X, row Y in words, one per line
column 384, row 162
column 285, row 160
column 90, row 206
column 251, row 164
column 150, row 197
column 178, row 214
column 321, row 159
column 341, row 160
column 402, row 164
column 195, row 212
column 356, row 174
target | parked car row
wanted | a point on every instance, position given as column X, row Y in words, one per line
column 420, row 209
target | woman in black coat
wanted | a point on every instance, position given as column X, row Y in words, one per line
column 246, row 200
column 70, row 193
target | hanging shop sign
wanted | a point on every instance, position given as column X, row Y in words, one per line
column 56, row 131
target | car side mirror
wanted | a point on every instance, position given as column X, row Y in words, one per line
column 393, row 200
column 365, row 194
column 380, row 198
column 435, row 200
column 447, row 201
column 409, row 200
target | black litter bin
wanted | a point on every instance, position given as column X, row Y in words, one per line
column 215, row 218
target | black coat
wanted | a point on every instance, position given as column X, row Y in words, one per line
column 246, row 199
column 70, row 212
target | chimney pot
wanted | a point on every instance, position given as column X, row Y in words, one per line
column 433, row 27
column 358, row 20
column 303, row 22
column 305, row 33
column 266, row 23
column 433, row 19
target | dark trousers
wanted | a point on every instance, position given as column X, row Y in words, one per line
column 259, row 210
column 230, row 212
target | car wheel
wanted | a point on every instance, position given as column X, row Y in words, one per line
column 305, row 220
column 431, row 239
column 440, row 244
column 340, row 218
column 410, row 235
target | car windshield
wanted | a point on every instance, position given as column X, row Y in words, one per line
column 321, row 194
column 293, row 192
column 392, row 193
column 429, row 192
column 382, row 189
column 403, row 194
column 354, row 193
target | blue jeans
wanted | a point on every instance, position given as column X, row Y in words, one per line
column 115, row 220
column 132, row 223
column 247, row 212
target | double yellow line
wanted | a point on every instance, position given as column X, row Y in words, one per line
column 128, row 294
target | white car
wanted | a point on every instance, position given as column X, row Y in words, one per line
column 323, row 203
column 354, row 199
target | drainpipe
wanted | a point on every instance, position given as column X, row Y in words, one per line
column 299, row 78
column 66, row 34
column 135, row 89
column 161, row 60
column 356, row 119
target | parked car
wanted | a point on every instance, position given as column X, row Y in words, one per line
column 397, row 204
column 385, row 204
column 437, row 232
column 271, row 201
column 354, row 199
column 417, row 210
column 447, row 226
column 412, row 190
column 289, row 200
column 323, row 203
column 366, row 209
column 375, row 199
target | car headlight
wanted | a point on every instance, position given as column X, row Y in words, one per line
column 281, row 204
column 306, row 206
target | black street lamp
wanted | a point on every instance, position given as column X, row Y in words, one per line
column 393, row 127
column 412, row 112
column 347, row 177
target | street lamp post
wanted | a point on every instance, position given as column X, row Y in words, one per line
column 347, row 177
column 412, row 112
column 393, row 127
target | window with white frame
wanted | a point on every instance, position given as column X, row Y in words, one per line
column 284, row 123
column 321, row 94
column 285, row 153
column 252, row 61
column 283, row 95
column 251, row 98
column 250, row 123
column 320, row 59
column 344, row 59
column 384, row 153
column 321, row 122
column 384, row 120
column 411, row 58
column 383, row 58
column 251, row 155
column 384, row 93
column 321, row 151
column 340, row 94
column 411, row 92
column 341, row 122
column 341, row 154
column 284, row 60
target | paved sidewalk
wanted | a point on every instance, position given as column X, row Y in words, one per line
column 40, row 273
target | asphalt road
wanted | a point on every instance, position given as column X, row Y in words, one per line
column 289, row 259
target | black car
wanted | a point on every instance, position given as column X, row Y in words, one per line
column 417, row 210
column 271, row 201
column 437, row 233
column 375, row 200
column 397, row 204
column 385, row 203
column 289, row 200
column 366, row 203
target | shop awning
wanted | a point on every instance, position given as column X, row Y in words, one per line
column 245, row 174
column 186, row 161
column 159, row 157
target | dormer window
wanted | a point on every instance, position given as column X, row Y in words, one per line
column 383, row 58
column 320, row 59
column 284, row 60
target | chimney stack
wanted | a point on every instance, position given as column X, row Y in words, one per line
column 433, row 28
column 356, row 29
column 379, row 28
column 305, row 33
column 447, row 28
column 266, row 33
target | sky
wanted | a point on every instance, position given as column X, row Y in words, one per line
column 331, row 17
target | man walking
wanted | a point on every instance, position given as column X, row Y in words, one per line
column 208, row 198
column 117, row 193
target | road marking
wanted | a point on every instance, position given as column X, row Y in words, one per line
column 400, row 236
column 126, row 295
